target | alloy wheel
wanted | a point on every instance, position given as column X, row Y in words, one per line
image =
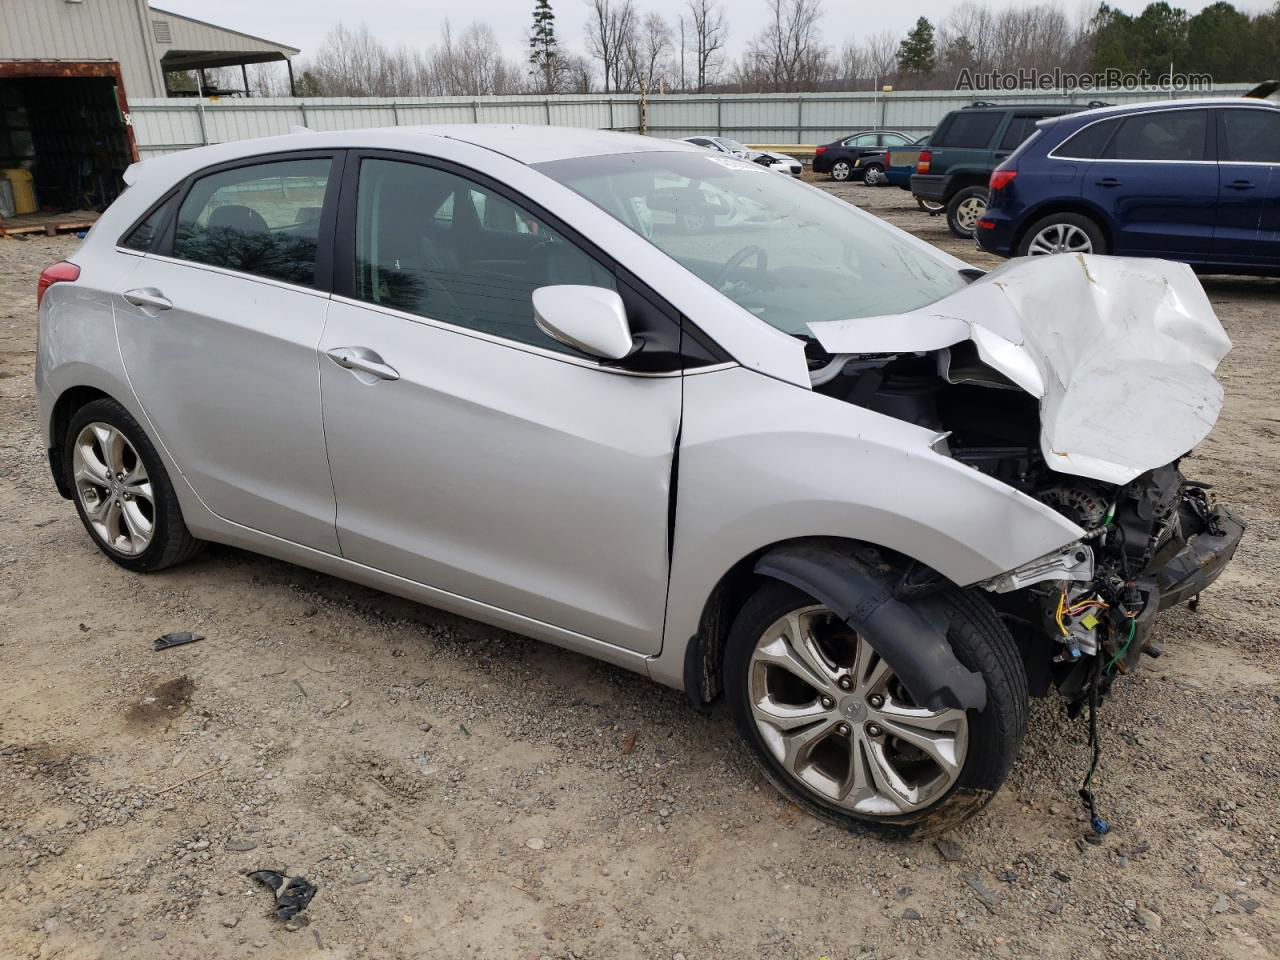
column 1060, row 238
column 841, row 170
column 838, row 721
column 113, row 488
column 873, row 176
column 969, row 212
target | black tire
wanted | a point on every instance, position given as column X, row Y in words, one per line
column 959, row 209
column 171, row 541
column 981, row 642
column 873, row 175
column 1088, row 225
column 841, row 170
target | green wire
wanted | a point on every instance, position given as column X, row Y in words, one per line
column 1133, row 628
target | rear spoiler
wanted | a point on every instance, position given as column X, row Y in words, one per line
column 1267, row 90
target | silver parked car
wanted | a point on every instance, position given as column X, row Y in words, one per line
column 657, row 406
column 777, row 162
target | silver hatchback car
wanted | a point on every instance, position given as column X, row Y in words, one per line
column 661, row 407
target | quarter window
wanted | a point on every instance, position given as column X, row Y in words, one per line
column 1089, row 143
column 437, row 245
column 1250, row 136
column 143, row 236
column 1165, row 135
column 262, row 219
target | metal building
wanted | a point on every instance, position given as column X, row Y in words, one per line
column 66, row 70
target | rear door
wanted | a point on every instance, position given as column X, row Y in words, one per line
column 1158, row 184
column 1248, row 216
column 218, row 330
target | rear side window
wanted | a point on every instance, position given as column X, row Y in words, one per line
column 1167, row 135
column 969, row 129
column 1089, row 143
column 262, row 219
column 1250, row 136
column 143, row 236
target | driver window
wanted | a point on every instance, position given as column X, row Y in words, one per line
column 437, row 245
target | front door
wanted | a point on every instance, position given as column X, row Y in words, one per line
column 218, row 330
column 470, row 451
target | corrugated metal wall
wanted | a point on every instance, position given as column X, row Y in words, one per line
column 163, row 126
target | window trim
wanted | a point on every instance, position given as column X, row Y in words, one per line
column 322, row 282
column 1220, row 131
column 344, row 258
column 1211, row 135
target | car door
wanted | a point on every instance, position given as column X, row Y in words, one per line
column 218, row 328
column 470, row 451
column 1158, row 184
column 1247, row 229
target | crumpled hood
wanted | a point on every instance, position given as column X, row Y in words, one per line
column 1120, row 352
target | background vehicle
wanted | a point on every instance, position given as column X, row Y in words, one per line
column 1190, row 180
column 963, row 150
column 840, row 158
column 519, row 333
column 778, row 162
column 900, row 165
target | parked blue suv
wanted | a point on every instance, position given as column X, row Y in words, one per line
column 1190, row 180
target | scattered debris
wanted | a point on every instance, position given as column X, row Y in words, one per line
column 629, row 742
column 182, row 783
column 535, row 843
column 175, row 639
column 950, row 850
column 989, row 900
column 241, row 846
column 292, row 893
column 910, row 914
column 1222, row 904
column 1148, row 918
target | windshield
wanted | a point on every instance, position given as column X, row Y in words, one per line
column 779, row 249
column 730, row 145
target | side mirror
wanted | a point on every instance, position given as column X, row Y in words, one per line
column 590, row 319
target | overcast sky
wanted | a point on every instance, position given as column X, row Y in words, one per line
column 304, row 23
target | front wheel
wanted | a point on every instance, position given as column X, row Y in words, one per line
column 1062, row 233
column 965, row 209
column 832, row 727
column 121, row 490
column 841, row 170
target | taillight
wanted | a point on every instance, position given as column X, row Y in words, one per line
column 818, row 150
column 1001, row 179
column 888, row 159
column 922, row 164
column 60, row 272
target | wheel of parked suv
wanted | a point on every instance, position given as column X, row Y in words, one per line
column 965, row 209
column 836, row 732
column 873, row 176
column 930, row 206
column 1062, row 233
column 121, row 490
column 841, row 170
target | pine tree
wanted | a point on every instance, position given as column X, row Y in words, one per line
column 916, row 53
column 543, row 53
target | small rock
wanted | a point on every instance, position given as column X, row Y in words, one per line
column 1222, row 904
column 1250, row 906
column 362, row 878
column 1061, row 877
column 198, row 845
column 230, row 922
column 242, row 846
column 535, row 843
column 1148, row 918
column 910, row 914
column 157, row 935
column 949, row 850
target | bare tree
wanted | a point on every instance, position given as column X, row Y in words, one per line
column 788, row 54
column 882, row 56
column 710, row 33
column 648, row 51
column 609, row 31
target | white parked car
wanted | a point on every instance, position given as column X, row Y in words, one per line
column 783, row 454
column 778, row 162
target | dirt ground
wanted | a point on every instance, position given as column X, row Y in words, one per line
column 456, row 791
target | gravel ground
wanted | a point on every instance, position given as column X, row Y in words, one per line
column 456, row 791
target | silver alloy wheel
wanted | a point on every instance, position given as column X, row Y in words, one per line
column 114, row 489
column 930, row 206
column 837, row 719
column 873, row 176
column 1060, row 238
column 841, row 170
column 970, row 212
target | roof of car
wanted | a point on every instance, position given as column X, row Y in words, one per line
column 1147, row 105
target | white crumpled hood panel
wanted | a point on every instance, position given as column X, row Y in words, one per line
column 1120, row 352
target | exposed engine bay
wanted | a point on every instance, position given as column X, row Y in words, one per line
column 1087, row 400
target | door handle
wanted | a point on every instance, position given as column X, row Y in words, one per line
column 148, row 297
column 1240, row 185
column 363, row 360
column 1108, row 182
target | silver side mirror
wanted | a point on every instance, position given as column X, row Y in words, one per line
column 590, row 319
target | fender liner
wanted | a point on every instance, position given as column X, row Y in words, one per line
column 915, row 648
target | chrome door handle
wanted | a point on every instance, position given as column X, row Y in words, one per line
column 364, row 360
column 148, row 297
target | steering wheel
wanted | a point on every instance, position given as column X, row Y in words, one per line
column 741, row 257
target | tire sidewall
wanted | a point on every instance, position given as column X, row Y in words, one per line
column 112, row 413
column 992, row 744
column 953, row 209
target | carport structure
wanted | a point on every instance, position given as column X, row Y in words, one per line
column 187, row 44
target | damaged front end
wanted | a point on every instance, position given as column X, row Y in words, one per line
column 1082, row 382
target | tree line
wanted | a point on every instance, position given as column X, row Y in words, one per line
column 625, row 49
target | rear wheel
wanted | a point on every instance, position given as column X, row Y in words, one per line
column 833, row 728
column 930, row 206
column 841, row 170
column 873, row 176
column 1062, row 233
column 965, row 209
column 121, row 490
